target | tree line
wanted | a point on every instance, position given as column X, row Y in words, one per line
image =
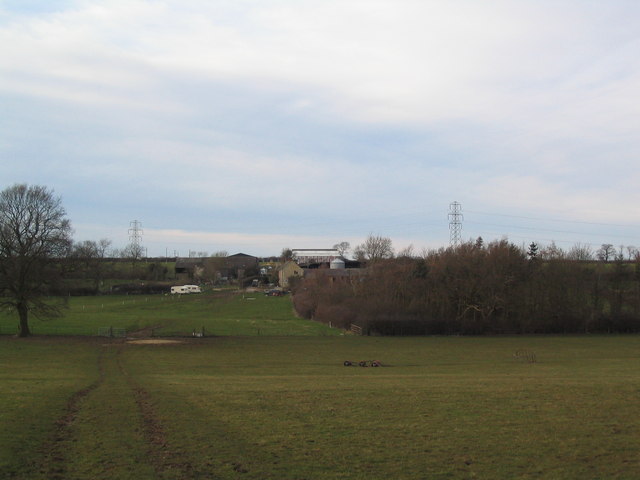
column 471, row 289
column 478, row 288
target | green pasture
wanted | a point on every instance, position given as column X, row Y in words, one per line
column 165, row 315
column 37, row 378
column 257, row 407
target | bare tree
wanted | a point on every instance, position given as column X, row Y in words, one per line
column 133, row 251
column 374, row 248
column 342, row 248
column 580, row 252
column 606, row 252
column 34, row 236
column 89, row 256
column 552, row 252
column 407, row 252
column 286, row 255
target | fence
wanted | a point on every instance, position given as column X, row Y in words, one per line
column 80, row 331
column 112, row 332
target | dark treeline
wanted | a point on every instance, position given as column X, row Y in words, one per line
column 475, row 289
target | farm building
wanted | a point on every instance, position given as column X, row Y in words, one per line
column 233, row 266
column 287, row 270
column 187, row 268
column 335, row 270
column 338, row 270
column 306, row 256
column 241, row 261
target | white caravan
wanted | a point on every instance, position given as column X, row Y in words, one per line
column 179, row 289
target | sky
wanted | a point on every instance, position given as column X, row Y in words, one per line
column 254, row 126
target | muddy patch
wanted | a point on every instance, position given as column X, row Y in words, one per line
column 154, row 341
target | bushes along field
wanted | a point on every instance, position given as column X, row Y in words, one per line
column 477, row 289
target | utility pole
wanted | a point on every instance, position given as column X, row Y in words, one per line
column 455, row 224
column 135, row 237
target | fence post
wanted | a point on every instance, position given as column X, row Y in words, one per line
column 111, row 332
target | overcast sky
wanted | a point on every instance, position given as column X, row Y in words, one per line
column 250, row 126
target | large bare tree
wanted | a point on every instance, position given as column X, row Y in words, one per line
column 35, row 236
column 374, row 248
column 606, row 252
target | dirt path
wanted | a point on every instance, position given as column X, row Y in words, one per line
column 111, row 429
column 54, row 452
column 167, row 462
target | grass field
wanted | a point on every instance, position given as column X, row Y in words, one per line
column 258, row 407
column 166, row 315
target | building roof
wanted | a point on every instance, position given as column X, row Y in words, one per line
column 282, row 266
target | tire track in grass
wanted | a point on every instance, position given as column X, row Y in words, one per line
column 167, row 461
column 100, row 433
column 54, row 451
column 59, row 453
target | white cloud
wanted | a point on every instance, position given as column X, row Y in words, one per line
column 558, row 199
column 392, row 62
column 313, row 109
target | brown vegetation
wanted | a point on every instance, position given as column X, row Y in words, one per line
column 478, row 289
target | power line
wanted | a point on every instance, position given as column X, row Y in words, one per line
column 553, row 219
column 549, row 230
